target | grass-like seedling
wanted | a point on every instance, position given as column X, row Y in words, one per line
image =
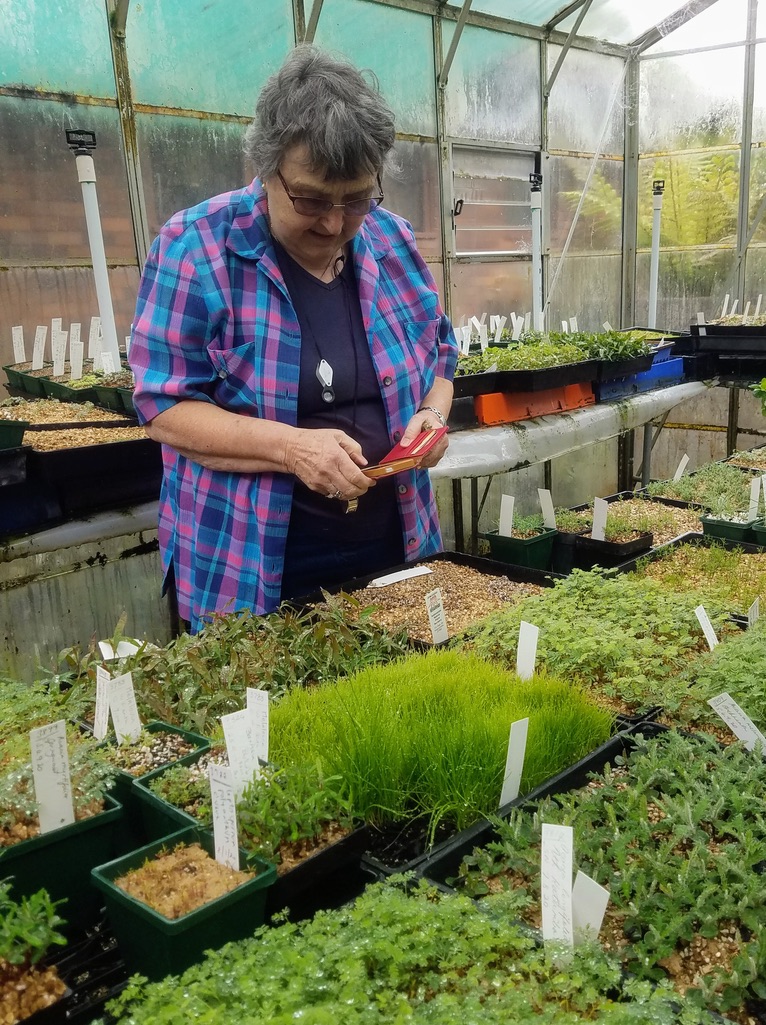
column 429, row 734
column 728, row 579
column 718, row 486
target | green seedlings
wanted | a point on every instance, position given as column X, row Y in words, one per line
column 718, row 486
column 730, row 579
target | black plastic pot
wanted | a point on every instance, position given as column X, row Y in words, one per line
column 610, row 370
column 589, row 552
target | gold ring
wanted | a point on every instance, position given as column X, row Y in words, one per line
column 426, row 426
column 336, row 494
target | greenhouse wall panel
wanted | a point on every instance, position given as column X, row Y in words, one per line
column 492, row 288
column 580, row 99
column 589, row 289
column 412, row 191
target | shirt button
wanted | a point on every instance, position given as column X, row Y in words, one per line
column 412, row 541
column 388, row 380
column 402, row 489
column 397, row 435
column 222, row 374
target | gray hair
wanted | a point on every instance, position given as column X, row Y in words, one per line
column 326, row 104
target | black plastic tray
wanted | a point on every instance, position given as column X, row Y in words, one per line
column 732, row 339
column 468, row 385
column 690, row 539
column 547, row 377
column 610, row 370
column 13, row 465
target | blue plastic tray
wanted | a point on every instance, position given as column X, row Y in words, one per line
column 667, row 372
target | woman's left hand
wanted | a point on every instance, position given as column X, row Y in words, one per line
column 424, row 421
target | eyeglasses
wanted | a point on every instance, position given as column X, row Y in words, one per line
column 310, row 207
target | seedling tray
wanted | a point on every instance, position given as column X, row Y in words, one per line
column 731, row 339
column 157, row 817
column 501, row 408
column 126, row 394
column 689, row 539
column 531, row 552
column 475, row 384
column 713, row 526
column 609, row 370
column 545, row 378
column 65, row 393
column 157, row 946
column 33, row 385
column 739, row 369
column 12, row 433
column 659, row 376
column 109, row 398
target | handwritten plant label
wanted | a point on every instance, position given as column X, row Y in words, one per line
column 38, row 352
column 127, row 345
column 505, row 527
column 224, row 808
column 258, row 706
column 123, row 709
column 546, row 504
column 436, row 616
column 556, row 883
column 58, row 347
column 50, row 770
column 76, row 354
column 518, row 324
column 754, row 612
column 573, row 324
column 94, row 337
column 600, row 513
column 681, row 467
column 19, row 355
column 101, row 715
column 707, row 626
column 526, row 651
column 514, row 761
column 107, row 362
column 239, row 734
column 589, row 903
column 740, row 724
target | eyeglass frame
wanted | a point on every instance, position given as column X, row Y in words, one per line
column 374, row 200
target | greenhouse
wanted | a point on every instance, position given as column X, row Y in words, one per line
column 382, row 511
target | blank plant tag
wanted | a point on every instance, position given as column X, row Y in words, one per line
column 500, row 323
column 505, row 528
column 763, row 483
column 101, row 715
column 58, row 347
column 76, row 353
column 124, row 648
column 681, row 467
column 589, row 903
column 127, row 345
column 122, row 706
column 465, row 340
column 527, row 321
column 600, row 513
column 94, row 337
column 746, row 313
column 224, row 807
column 725, row 308
column 56, row 324
column 755, row 497
column 436, row 616
column 38, row 353
column 740, row 724
column 526, row 652
column 758, row 305
column 546, row 504
column 707, row 626
column 701, row 323
column 565, row 326
column 556, row 883
column 608, row 326
column 754, row 612
column 239, row 734
column 734, row 307
column 107, row 363
column 402, row 574
column 50, row 769
column 258, row 706
column 514, row 761
column 518, row 324
column 573, row 324
column 483, row 337
column 19, row 355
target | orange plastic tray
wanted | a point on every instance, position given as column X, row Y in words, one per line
column 500, row 408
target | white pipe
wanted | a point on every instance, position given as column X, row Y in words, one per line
column 654, row 271
column 86, row 173
column 537, row 259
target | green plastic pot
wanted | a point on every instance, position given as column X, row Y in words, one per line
column 61, row 861
column 65, row 393
column 715, row 527
column 14, row 376
column 759, row 533
column 109, row 398
column 32, row 385
column 157, row 817
column 126, row 394
column 531, row 552
column 12, row 433
column 157, row 946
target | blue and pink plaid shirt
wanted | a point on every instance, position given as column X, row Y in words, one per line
column 214, row 323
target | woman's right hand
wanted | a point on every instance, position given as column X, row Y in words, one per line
column 328, row 461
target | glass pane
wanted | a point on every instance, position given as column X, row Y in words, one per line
column 493, row 90
column 695, row 100
column 413, row 193
column 491, row 288
column 759, row 99
column 589, row 289
column 59, row 45
column 171, row 48
column 42, row 217
column 580, row 99
column 599, row 228
column 494, row 187
column 33, row 295
column 701, row 198
column 690, row 282
column 184, row 161
column 761, row 25
column 622, row 20
column 755, row 278
column 532, row 12
column 724, row 22
column 396, row 45
column 757, row 194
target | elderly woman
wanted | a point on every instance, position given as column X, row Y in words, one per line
column 287, row 335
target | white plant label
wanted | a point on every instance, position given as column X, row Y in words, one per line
column 681, row 467
column 514, row 761
column 50, row 769
column 740, row 724
column 466, row 340
column 518, row 324
column 123, row 709
column 58, row 347
column 725, row 308
column 701, row 323
column 754, row 612
column 556, row 883
column 483, row 318
column 755, row 497
column 127, row 345
column 483, row 337
column 734, row 307
column 239, row 734
column 499, row 326
column 758, row 305
column 573, row 324
column 589, row 903
column 74, row 333
column 38, row 352
column 600, row 513
column 527, row 321
column 402, row 574
column 707, row 626
column 76, row 354
column 56, row 324
column 97, row 361
column 746, row 313
column 608, row 326
column 124, row 648
column 493, row 322
column 19, row 355
column 436, row 616
column 565, row 327
column 94, row 337
column 505, row 528
column 763, row 483
column 101, row 715
column 546, row 504
column 258, row 706
column 475, row 325
column 107, row 363
column 526, row 651
column 224, row 808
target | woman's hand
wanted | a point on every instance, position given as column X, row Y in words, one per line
column 327, row 461
column 424, row 421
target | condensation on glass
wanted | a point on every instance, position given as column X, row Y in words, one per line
column 581, row 95
column 599, row 226
column 493, row 91
column 690, row 282
column 588, row 288
column 413, row 193
column 724, row 22
column 491, row 288
column 757, row 194
column 759, row 98
column 42, row 218
column 493, row 186
column 623, row 20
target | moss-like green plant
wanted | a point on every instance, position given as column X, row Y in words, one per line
column 718, row 486
column 429, row 734
column 722, row 578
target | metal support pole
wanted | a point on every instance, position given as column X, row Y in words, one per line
column 743, row 215
column 462, row 18
column 630, row 196
column 474, row 515
column 646, row 458
column 536, row 181
column 732, row 427
column 457, row 514
column 311, row 28
column 658, row 188
column 445, row 171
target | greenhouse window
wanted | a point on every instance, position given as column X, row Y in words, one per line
column 491, row 192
